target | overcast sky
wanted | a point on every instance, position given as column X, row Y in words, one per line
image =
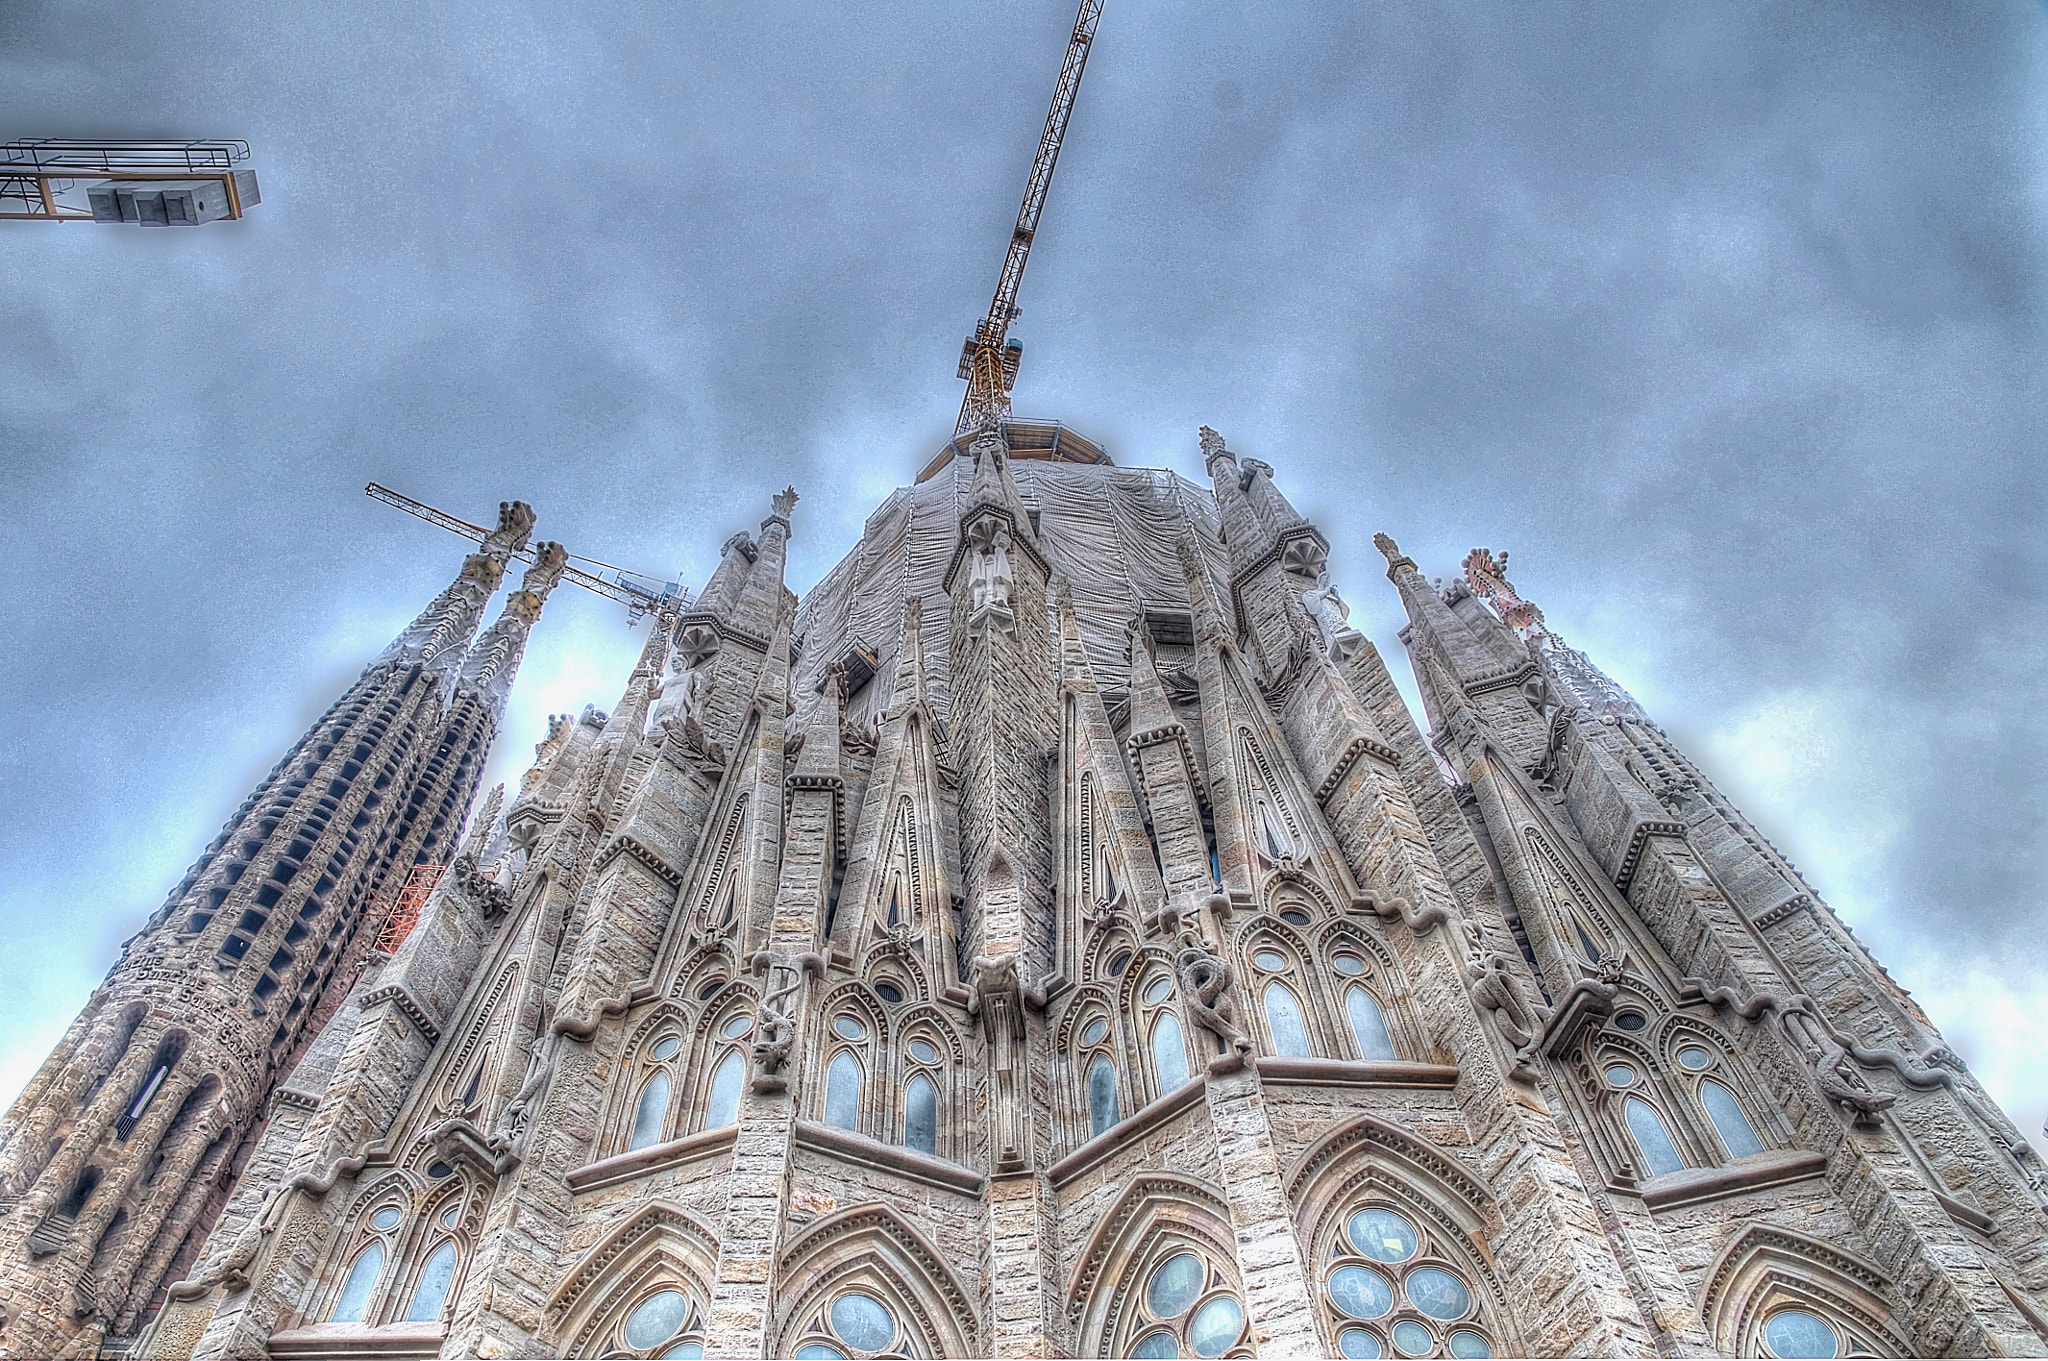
column 1727, row 320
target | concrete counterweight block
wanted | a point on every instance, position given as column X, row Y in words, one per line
column 167, row 203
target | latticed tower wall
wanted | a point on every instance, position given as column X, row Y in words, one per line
column 1056, row 937
column 112, row 1161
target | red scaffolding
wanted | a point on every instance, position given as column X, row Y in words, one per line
column 405, row 911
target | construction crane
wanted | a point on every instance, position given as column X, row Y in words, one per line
column 150, row 184
column 989, row 359
column 640, row 593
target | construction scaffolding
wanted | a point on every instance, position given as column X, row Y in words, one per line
column 150, row 184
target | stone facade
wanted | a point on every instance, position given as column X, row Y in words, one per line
column 1052, row 936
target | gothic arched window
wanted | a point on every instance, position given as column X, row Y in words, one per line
column 1286, row 1024
column 722, row 1097
column 1185, row 1308
column 1103, row 1109
column 1368, row 1024
column 1159, row 1030
column 1390, row 1287
column 1669, row 1103
column 430, row 1290
column 659, row 1074
column 843, row 1082
column 361, row 1282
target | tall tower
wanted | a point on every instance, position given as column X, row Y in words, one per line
column 118, row 1156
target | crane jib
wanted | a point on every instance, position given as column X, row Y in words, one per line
column 989, row 370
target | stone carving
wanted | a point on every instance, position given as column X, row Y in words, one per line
column 676, row 720
column 488, row 897
column 1250, row 470
column 1206, row 980
column 1333, row 619
column 1288, row 674
column 775, row 1022
column 1501, row 993
column 990, row 578
column 743, row 543
column 544, row 751
column 997, row 993
column 1212, row 444
column 1826, row 1051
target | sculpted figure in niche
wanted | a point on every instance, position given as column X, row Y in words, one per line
column 990, row 578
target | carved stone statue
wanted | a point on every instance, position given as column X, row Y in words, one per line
column 680, row 694
column 1333, row 619
column 1500, row 992
column 990, row 578
column 775, row 1022
column 1206, row 979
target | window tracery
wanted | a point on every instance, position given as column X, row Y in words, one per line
column 1668, row 1095
column 1184, row 1305
column 1391, row 1286
column 405, row 1255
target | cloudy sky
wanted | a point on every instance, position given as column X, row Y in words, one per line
column 1727, row 320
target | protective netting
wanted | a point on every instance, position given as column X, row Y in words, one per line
column 1111, row 533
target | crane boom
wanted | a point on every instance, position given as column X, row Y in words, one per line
column 638, row 598
column 989, row 368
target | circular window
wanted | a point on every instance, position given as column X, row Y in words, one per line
column 1412, row 1338
column 1156, row 1344
column 1620, row 1074
column 736, row 1027
column 1294, row 916
column 818, row 1351
column 665, row 1048
column 1796, row 1333
column 1359, row 1344
column 450, row 1215
column 1382, row 1235
column 1215, row 1326
column 924, row 1051
column 1093, row 1032
column 1631, row 1020
column 1119, row 964
column 713, row 986
column 684, row 1351
column 1468, row 1344
column 439, row 1170
column 386, row 1218
column 1156, row 990
column 1270, row 960
column 1174, row 1285
column 888, row 992
column 1695, row 1058
column 848, row 1028
column 657, row 1318
column 1438, row 1293
column 1349, row 965
column 1360, row 1292
column 863, row 1322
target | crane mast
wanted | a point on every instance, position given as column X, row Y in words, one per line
column 987, row 363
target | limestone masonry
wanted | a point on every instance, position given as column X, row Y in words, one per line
column 1053, row 936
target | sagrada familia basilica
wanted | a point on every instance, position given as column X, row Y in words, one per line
column 1051, row 936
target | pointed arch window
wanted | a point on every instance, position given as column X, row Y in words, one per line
column 1652, row 1138
column 722, row 1099
column 430, row 1294
column 650, row 1113
column 842, row 1091
column 648, row 1121
column 666, row 1324
column 1169, row 1052
column 921, row 1115
column 1368, row 1024
column 1730, row 1121
column 1393, row 1285
column 1103, row 1110
column 1285, row 1021
column 354, row 1301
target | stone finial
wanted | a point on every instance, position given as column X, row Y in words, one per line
column 1390, row 550
column 487, row 564
column 1212, row 445
column 549, row 562
column 781, row 505
column 1201, row 604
